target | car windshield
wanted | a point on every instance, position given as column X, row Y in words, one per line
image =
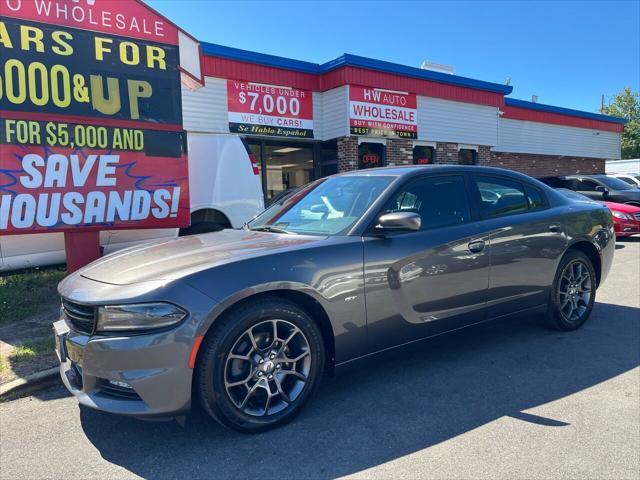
column 615, row 183
column 326, row 207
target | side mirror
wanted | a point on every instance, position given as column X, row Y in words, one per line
column 398, row 221
column 602, row 190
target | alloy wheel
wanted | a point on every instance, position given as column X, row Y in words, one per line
column 575, row 290
column 267, row 368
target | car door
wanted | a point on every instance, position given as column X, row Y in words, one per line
column 526, row 237
column 421, row 283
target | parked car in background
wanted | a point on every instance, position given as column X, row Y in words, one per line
column 351, row 265
column 597, row 187
column 626, row 218
column 225, row 191
column 630, row 178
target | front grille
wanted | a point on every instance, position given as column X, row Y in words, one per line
column 81, row 317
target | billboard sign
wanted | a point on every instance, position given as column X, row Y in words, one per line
column 91, row 134
column 259, row 109
column 374, row 112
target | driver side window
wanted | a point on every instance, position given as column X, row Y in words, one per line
column 440, row 201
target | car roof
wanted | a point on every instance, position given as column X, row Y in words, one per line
column 413, row 170
column 593, row 175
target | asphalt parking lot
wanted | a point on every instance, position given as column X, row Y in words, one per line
column 505, row 400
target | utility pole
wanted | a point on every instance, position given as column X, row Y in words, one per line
column 602, row 104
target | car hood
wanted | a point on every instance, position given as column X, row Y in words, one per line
column 622, row 207
column 170, row 260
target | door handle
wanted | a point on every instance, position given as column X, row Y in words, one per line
column 476, row 246
column 553, row 228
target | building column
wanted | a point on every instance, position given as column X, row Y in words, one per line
column 399, row 151
column 347, row 154
column 447, row 153
column 484, row 155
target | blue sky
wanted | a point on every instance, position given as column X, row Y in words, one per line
column 568, row 53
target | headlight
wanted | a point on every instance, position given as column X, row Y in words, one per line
column 141, row 316
column 621, row 215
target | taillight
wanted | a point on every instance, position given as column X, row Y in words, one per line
column 254, row 164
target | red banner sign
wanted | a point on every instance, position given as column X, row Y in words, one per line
column 128, row 18
column 376, row 112
column 53, row 189
column 91, row 130
column 259, row 109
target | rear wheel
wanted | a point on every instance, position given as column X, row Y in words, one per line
column 573, row 292
column 260, row 365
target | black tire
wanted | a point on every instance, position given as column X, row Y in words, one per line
column 565, row 294
column 214, row 365
column 201, row 227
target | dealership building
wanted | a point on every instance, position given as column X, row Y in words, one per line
column 304, row 120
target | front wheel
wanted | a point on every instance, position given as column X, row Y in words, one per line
column 260, row 365
column 573, row 292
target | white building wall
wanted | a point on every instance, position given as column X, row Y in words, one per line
column 334, row 121
column 520, row 136
column 318, row 115
column 631, row 165
column 456, row 122
column 205, row 110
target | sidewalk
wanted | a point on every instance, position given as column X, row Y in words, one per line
column 27, row 349
column 29, row 304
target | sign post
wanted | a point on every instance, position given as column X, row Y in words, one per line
column 91, row 134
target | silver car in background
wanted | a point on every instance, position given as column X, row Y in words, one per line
column 249, row 320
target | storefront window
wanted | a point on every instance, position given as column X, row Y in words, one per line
column 423, row 155
column 370, row 155
column 287, row 168
column 467, row 156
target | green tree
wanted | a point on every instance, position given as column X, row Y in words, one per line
column 626, row 104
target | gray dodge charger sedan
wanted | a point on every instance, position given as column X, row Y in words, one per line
column 247, row 321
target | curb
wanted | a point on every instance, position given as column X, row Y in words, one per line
column 36, row 381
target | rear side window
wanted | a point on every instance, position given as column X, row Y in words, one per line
column 500, row 196
column 536, row 199
column 440, row 201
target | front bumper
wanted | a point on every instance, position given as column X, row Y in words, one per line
column 97, row 369
column 626, row 228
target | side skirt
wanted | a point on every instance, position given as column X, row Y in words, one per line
column 358, row 361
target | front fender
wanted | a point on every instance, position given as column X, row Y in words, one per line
column 331, row 274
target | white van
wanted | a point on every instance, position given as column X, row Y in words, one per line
column 225, row 192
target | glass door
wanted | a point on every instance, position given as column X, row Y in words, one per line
column 284, row 165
